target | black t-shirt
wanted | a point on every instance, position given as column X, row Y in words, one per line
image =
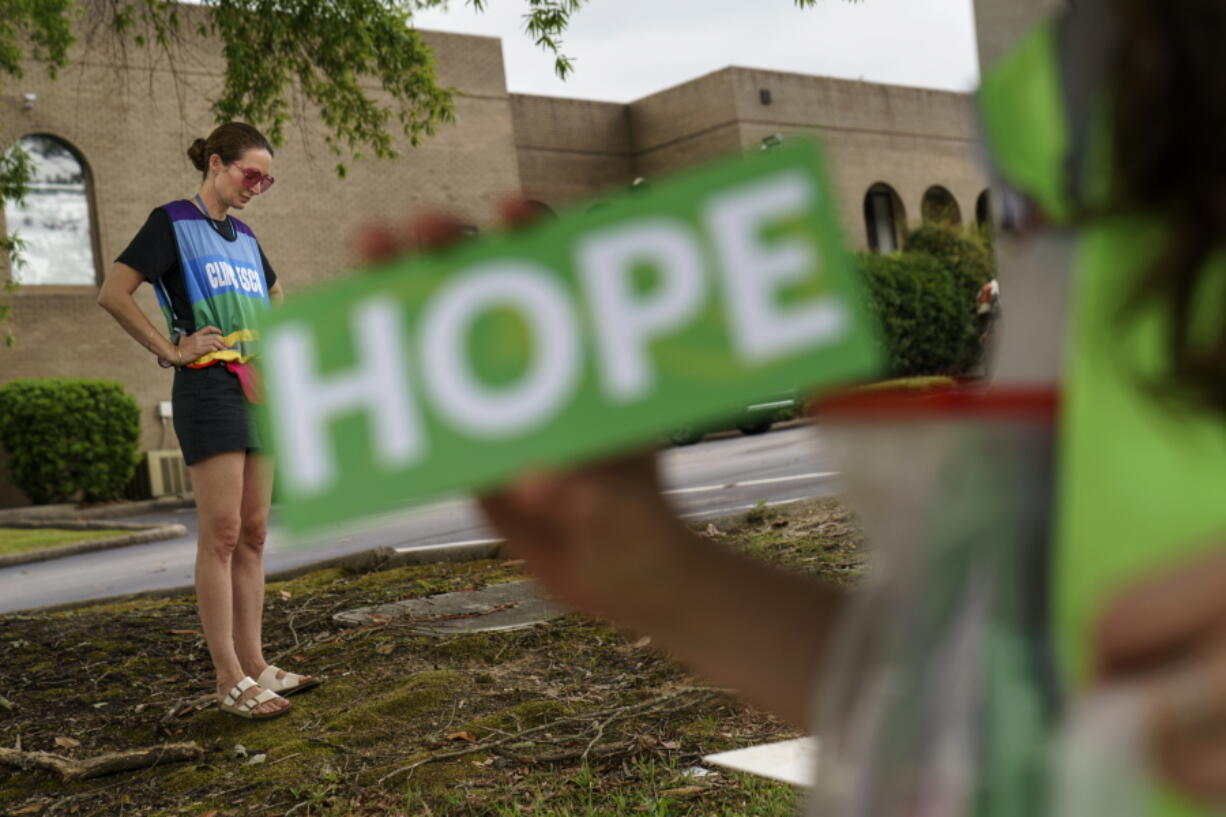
column 154, row 254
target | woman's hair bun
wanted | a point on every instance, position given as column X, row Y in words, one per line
column 228, row 142
column 197, row 155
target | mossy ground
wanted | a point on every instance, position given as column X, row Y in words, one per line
column 573, row 717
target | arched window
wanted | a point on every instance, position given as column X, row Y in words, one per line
column 940, row 207
column 983, row 210
column 884, row 218
column 54, row 222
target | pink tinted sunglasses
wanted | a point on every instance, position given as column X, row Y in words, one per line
column 254, row 179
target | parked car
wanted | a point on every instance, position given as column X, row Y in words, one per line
column 756, row 418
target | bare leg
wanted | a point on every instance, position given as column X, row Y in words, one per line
column 247, row 567
column 218, row 485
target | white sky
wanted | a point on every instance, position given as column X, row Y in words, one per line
column 627, row 49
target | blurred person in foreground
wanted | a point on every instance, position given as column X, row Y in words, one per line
column 1103, row 126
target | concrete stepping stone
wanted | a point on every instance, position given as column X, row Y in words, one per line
column 509, row 606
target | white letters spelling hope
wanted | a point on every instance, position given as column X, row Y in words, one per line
column 750, row 274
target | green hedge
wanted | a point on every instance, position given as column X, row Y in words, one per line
column 915, row 299
column 967, row 254
column 925, row 299
column 69, row 436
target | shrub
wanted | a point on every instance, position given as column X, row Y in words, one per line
column 67, row 436
column 967, row 254
column 925, row 299
column 927, row 322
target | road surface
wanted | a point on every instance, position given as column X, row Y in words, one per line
column 714, row 478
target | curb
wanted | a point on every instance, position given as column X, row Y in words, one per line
column 387, row 558
column 366, row 561
column 67, row 510
column 75, row 524
column 143, row 535
column 169, row 503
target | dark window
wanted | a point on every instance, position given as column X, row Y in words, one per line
column 983, row 210
column 883, row 218
column 940, row 207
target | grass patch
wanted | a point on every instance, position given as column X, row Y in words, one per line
column 21, row 540
column 573, row 718
column 652, row 786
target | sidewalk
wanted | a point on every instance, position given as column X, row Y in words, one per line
column 103, row 510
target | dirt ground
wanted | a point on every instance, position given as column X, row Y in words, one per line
column 566, row 718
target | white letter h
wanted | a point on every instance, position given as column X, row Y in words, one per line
column 306, row 403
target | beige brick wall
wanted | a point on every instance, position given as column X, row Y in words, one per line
column 685, row 125
column 571, row 149
column 908, row 138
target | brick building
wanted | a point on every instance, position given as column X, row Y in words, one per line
column 123, row 125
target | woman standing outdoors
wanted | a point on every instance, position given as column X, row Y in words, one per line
column 212, row 281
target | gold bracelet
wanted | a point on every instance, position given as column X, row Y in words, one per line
column 179, row 353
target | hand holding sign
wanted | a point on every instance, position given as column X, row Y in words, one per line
column 572, row 340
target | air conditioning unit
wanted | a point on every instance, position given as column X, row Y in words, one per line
column 162, row 473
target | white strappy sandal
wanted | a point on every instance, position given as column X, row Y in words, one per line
column 235, row 705
column 289, row 684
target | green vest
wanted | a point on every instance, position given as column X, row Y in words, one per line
column 1141, row 486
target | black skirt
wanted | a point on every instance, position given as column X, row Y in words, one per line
column 211, row 413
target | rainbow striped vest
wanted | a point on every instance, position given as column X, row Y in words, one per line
column 224, row 279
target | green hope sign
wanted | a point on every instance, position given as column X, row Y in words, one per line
column 590, row 334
